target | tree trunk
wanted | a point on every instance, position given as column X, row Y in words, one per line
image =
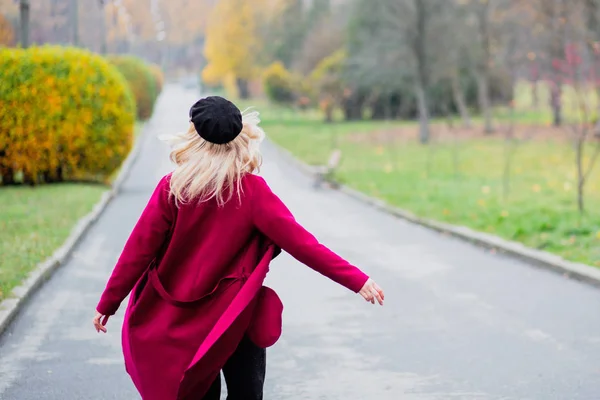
column 483, row 92
column 455, row 156
column 378, row 109
column 53, row 176
column 28, row 178
column 422, row 81
column 8, row 176
column 352, row 111
column 459, row 99
column 580, row 174
column 580, row 204
column 596, row 131
column 423, row 114
column 243, row 89
column 506, row 170
column 483, row 73
column 534, row 95
column 555, row 102
column 353, row 107
column 329, row 114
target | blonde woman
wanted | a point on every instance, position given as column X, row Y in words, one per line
column 196, row 261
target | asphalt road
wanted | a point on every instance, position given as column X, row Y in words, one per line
column 458, row 323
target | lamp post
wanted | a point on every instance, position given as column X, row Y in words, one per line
column 74, row 21
column 24, row 23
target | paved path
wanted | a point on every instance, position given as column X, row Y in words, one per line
column 459, row 323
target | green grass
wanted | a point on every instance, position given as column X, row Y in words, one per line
column 460, row 183
column 34, row 222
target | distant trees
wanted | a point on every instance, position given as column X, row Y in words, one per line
column 411, row 58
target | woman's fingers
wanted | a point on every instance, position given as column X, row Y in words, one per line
column 377, row 296
column 371, row 292
column 379, row 290
column 100, row 325
column 367, row 295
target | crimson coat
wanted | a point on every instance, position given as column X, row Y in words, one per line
column 196, row 272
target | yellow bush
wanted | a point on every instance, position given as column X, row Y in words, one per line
column 327, row 75
column 65, row 113
column 280, row 85
column 142, row 83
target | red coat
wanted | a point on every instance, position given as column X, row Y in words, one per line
column 196, row 272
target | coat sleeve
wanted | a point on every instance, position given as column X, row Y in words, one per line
column 143, row 245
column 275, row 220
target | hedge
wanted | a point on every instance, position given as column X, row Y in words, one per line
column 65, row 113
column 142, row 83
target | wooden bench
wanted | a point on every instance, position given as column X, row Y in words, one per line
column 323, row 173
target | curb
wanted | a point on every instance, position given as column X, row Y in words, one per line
column 10, row 307
column 581, row 272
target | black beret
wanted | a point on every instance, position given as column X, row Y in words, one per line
column 216, row 119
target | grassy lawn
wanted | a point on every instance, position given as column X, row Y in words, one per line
column 456, row 180
column 36, row 221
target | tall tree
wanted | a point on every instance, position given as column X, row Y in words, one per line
column 7, row 33
column 288, row 32
column 482, row 11
column 232, row 44
column 550, row 20
column 417, row 23
column 454, row 62
column 326, row 36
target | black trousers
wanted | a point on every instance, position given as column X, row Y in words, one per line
column 244, row 374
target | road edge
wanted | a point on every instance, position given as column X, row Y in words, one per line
column 11, row 306
column 538, row 258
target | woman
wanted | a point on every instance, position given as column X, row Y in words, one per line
column 196, row 260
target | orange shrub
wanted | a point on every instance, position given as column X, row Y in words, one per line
column 141, row 81
column 65, row 113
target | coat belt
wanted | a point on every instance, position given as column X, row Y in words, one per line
column 166, row 296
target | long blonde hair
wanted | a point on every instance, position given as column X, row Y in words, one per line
column 206, row 171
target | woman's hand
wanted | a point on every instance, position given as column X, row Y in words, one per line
column 100, row 322
column 371, row 291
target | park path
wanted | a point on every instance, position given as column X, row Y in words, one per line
column 458, row 323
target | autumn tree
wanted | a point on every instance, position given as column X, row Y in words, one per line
column 233, row 45
column 549, row 20
column 288, row 33
column 325, row 35
column 7, row 35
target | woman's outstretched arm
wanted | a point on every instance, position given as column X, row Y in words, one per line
column 276, row 221
column 141, row 248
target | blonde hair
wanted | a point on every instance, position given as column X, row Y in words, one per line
column 206, row 171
